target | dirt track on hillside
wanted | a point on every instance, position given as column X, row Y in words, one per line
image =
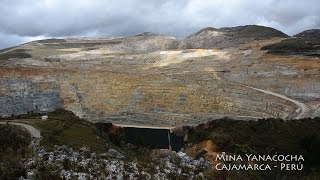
column 304, row 108
column 35, row 133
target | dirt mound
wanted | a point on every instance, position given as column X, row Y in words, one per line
column 205, row 32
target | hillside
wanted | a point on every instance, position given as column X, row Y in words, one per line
column 245, row 72
column 305, row 43
column 266, row 136
column 75, row 148
column 311, row 33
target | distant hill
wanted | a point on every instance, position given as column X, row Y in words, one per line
column 248, row 31
column 206, row 38
column 311, row 33
column 305, row 43
column 148, row 34
column 210, row 37
column 158, row 80
column 254, row 31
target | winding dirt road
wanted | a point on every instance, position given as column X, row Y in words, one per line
column 35, row 133
column 304, row 108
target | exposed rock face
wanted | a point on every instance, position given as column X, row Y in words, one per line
column 160, row 80
column 68, row 163
column 19, row 95
column 208, row 31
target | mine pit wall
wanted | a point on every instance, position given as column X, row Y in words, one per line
column 297, row 77
column 303, row 88
column 122, row 97
column 24, row 91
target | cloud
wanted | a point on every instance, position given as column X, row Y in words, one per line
column 24, row 19
column 8, row 40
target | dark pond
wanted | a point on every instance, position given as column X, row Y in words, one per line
column 153, row 138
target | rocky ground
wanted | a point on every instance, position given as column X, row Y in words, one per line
column 157, row 80
column 66, row 163
column 71, row 148
column 151, row 80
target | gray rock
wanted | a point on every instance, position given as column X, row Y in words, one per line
column 115, row 154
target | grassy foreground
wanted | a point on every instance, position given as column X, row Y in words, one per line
column 14, row 142
column 266, row 136
column 263, row 137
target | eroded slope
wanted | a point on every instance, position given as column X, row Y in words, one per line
column 160, row 80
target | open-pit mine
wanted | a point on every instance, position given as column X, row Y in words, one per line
column 246, row 72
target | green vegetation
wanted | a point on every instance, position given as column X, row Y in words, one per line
column 300, row 46
column 17, row 53
column 109, row 132
column 266, row 136
column 64, row 128
column 248, row 31
column 53, row 40
column 45, row 172
column 13, row 138
column 254, row 31
column 13, row 150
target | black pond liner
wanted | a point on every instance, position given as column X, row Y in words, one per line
column 153, row 138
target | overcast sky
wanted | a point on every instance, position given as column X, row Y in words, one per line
column 25, row 20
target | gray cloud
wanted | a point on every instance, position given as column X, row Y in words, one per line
column 24, row 20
